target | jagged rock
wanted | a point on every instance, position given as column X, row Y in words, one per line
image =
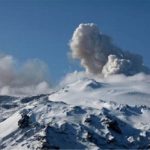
column 24, row 121
column 91, row 138
column 94, row 121
column 29, row 99
column 88, row 120
column 113, row 125
column 148, row 146
column 94, row 84
column 46, row 146
column 76, row 110
column 110, row 139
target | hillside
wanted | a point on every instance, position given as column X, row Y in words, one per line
column 84, row 114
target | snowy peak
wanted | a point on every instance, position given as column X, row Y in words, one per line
column 85, row 114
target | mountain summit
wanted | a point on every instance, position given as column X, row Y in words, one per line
column 84, row 114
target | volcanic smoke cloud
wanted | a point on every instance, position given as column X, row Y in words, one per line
column 99, row 55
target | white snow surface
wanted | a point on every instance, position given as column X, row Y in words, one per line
column 84, row 114
column 88, row 92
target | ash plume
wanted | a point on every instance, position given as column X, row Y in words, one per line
column 98, row 54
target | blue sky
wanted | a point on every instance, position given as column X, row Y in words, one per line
column 42, row 28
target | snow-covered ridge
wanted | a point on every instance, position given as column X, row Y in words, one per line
column 78, row 116
column 86, row 91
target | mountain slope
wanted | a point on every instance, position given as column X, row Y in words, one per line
column 84, row 114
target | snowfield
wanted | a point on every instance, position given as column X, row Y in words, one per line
column 83, row 114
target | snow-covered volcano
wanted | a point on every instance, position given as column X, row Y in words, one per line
column 84, row 114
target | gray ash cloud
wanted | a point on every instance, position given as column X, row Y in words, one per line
column 98, row 54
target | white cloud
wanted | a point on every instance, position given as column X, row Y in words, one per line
column 31, row 78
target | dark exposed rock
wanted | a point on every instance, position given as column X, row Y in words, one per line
column 66, row 91
column 94, row 84
column 148, row 146
column 91, row 138
column 46, row 146
column 4, row 98
column 24, row 121
column 9, row 106
column 76, row 110
column 113, row 125
column 29, row 99
column 94, row 121
column 88, row 120
column 110, row 139
column 62, row 137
